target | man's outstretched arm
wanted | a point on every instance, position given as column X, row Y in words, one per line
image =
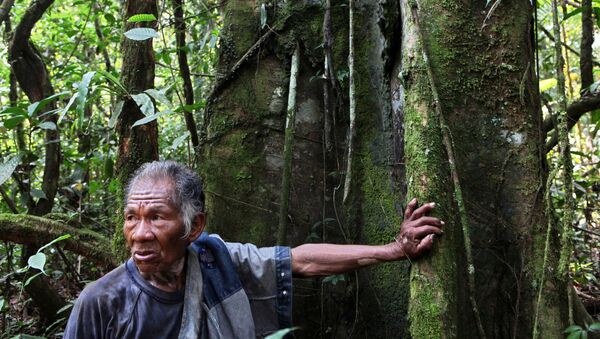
column 415, row 238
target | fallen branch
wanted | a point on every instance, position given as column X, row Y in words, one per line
column 32, row 230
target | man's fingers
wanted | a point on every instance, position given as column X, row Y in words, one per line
column 424, row 231
column 410, row 208
column 426, row 244
column 419, row 212
column 428, row 221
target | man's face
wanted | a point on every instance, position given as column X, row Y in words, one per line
column 153, row 227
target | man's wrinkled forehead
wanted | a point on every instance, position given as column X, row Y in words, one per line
column 150, row 189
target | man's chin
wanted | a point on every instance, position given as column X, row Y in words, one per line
column 145, row 267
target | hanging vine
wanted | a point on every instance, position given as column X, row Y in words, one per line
column 567, row 165
column 352, row 95
column 287, row 147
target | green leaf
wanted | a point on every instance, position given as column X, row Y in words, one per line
column 141, row 18
column 61, row 238
column 67, row 107
column 1, row 303
column 263, row 16
column 159, row 96
column 47, row 125
column 573, row 13
column 596, row 11
column 31, row 279
column 150, row 118
column 13, row 122
column 572, row 328
column 145, row 103
column 38, row 261
column 595, row 116
column 113, row 80
column 281, row 333
column 14, row 111
column 574, row 335
column 7, row 168
column 82, row 91
column 115, row 116
column 38, row 194
column 140, row 34
column 594, row 327
column 180, row 139
column 39, row 105
column 334, row 279
column 547, row 84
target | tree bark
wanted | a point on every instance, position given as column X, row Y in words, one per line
column 587, row 40
column 485, row 105
column 32, row 230
column 32, row 75
column 184, row 72
column 137, row 145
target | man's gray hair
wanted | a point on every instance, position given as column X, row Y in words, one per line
column 187, row 195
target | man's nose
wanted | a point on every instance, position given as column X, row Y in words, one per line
column 143, row 231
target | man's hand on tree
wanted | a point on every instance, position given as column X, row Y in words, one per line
column 417, row 231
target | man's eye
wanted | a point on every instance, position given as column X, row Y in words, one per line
column 130, row 217
column 156, row 217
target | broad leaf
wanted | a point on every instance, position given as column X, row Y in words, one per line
column 38, row 261
column 82, row 91
column 113, row 80
column 38, row 194
column 13, row 122
column 142, row 18
column 145, row 103
column 159, row 96
column 263, row 16
column 594, row 327
column 31, row 279
column 573, row 13
column 47, row 125
column 547, row 84
column 115, row 116
column 14, row 111
column 7, row 168
column 61, row 238
column 39, row 105
column 1, row 303
column 140, row 34
column 572, row 328
column 150, row 118
column 179, row 140
column 67, row 107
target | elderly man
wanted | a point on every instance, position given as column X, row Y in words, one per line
column 182, row 282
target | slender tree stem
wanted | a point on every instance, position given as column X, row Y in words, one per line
column 184, row 72
column 567, row 165
column 352, row 96
column 288, row 147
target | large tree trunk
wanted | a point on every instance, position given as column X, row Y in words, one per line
column 447, row 111
column 139, row 144
column 30, row 71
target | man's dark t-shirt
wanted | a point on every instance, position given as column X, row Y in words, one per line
column 128, row 307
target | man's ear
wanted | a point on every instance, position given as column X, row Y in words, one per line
column 197, row 226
